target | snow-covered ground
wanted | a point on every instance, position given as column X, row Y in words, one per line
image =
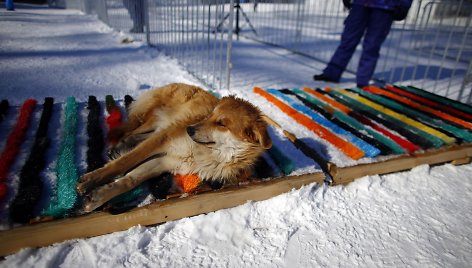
column 419, row 218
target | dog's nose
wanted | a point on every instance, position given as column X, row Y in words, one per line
column 190, row 131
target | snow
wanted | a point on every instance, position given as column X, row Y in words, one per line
column 419, row 218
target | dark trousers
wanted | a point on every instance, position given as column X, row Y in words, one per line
column 136, row 12
column 372, row 23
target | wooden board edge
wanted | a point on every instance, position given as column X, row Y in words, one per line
column 453, row 153
column 100, row 223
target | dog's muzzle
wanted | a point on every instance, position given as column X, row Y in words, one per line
column 191, row 132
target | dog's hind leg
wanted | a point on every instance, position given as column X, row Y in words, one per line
column 134, row 178
column 127, row 144
column 116, row 134
column 129, row 136
column 141, row 153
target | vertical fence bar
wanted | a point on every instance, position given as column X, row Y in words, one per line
column 230, row 43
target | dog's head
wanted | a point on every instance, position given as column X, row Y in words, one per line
column 233, row 124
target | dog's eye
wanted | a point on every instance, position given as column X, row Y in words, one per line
column 220, row 123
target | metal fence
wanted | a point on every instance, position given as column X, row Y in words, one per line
column 187, row 30
column 184, row 29
column 432, row 47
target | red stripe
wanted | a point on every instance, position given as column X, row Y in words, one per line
column 429, row 102
column 404, row 143
column 418, row 106
column 13, row 143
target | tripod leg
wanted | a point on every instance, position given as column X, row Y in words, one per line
column 221, row 22
column 248, row 21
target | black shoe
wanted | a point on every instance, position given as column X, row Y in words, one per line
column 361, row 86
column 323, row 77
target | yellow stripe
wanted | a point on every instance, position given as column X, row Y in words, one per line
column 401, row 117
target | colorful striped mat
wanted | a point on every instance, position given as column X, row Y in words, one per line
column 360, row 123
column 395, row 120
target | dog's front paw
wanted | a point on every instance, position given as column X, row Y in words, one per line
column 82, row 188
column 92, row 201
column 86, row 182
column 86, row 177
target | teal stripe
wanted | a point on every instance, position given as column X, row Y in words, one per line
column 130, row 196
column 65, row 196
column 283, row 162
column 397, row 149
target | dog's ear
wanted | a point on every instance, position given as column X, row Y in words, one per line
column 258, row 134
column 263, row 137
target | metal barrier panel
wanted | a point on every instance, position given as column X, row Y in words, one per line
column 432, row 47
column 184, row 29
column 196, row 34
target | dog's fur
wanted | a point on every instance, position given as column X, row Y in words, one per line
column 180, row 129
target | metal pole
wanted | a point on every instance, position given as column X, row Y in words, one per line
column 230, row 45
column 146, row 21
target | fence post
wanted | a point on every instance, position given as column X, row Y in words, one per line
column 146, row 21
column 229, row 48
column 299, row 20
column 102, row 10
column 467, row 80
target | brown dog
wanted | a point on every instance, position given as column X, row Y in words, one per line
column 180, row 129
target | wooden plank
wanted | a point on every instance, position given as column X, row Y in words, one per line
column 99, row 223
column 462, row 161
column 345, row 175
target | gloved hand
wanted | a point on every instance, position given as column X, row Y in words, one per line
column 347, row 4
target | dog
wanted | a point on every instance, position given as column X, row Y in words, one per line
column 181, row 129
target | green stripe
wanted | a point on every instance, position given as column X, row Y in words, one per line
column 445, row 101
column 397, row 149
column 436, row 142
column 283, row 162
column 438, row 123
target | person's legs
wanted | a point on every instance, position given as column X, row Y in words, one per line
column 354, row 27
column 378, row 28
column 140, row 14
column 136, row 12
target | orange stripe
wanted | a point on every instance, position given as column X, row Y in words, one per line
column 419, row 106
column 429, row 102
column 347, row 148
column 328, row 100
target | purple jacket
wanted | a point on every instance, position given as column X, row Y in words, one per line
column 383, row 4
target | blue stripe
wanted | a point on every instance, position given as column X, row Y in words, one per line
column 368, row 149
